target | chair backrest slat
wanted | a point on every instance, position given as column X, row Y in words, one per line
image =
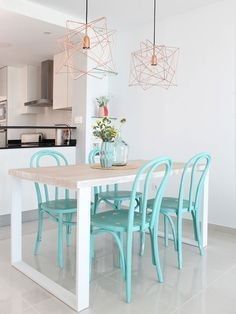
column 197, row 167
column 36, row 161
column 92, row 159
column 147, row 174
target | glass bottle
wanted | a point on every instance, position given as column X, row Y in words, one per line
column 121, row 151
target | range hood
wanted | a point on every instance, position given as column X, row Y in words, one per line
column 46, row 86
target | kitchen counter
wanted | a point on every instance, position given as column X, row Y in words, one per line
column 38, row 127
column 45, row 143
column 35, row 129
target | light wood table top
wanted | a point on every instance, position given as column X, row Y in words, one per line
column 82, row 175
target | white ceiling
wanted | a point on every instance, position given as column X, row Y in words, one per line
column 30, row 46
column 28, row 43
column 123, row 11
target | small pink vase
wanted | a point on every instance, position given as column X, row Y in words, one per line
column 103, row 111
column 106, row 113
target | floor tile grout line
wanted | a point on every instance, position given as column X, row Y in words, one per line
column 203, row 289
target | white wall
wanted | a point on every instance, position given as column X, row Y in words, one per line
column 50, row 117
column 198, row 115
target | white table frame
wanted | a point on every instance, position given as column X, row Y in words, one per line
column 80, row 300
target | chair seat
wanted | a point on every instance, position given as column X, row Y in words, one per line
column 60, row 205
column 117, row 195
column 169, row 204
column 117, row 220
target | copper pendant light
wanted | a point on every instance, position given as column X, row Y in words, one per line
column 87, row 48
column 153, row 65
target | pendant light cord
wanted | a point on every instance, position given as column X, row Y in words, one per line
column 86, row 11
column 154, row 22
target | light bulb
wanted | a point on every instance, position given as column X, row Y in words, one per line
column 86, row 42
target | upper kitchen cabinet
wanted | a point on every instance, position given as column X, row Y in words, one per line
column 63, row 86
column 3, row 82
column 30, row 81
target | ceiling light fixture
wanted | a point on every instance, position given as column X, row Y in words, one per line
column 153, row 65
column 91, row 39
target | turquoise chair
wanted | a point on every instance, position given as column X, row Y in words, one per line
column 188, row 201
column 111, row 196
column 61, row 210
column 117, row 222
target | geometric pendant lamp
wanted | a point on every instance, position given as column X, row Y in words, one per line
column 153, row 65
column 87, row 48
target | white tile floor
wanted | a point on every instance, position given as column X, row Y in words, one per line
column 205, row 285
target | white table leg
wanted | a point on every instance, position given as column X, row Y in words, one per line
column 16, row 221
column 205, row 211
column 83, row 248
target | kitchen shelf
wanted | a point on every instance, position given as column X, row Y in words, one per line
column 46, row 143
column 111, row 118
column 37, row 127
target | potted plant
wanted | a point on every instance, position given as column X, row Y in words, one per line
column 104, row 130
column 102, row 103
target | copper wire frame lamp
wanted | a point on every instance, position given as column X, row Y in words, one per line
column 94, row 41
column 153, row 65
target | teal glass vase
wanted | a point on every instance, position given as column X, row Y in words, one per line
column 107, row 154
column 121, row 151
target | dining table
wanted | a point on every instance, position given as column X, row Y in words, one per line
column 80, row 178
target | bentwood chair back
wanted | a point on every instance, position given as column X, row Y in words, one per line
column 56, row 204
column 192, row 181
column 188, row 201
column 92, row 160
column 36, row 161
column 116, row 222
column 111, row 195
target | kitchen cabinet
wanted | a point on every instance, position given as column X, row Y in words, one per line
column 30, row 81
column 63, row 85
column 21, row 160
column 3, row 82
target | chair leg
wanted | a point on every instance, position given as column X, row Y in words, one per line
column 198, row 232
column 121, row 237
column 96, row 203
column 128, row 267
column 166, row 231
column 68, row 229
column 194, row 226
column 155, row 253
column 39, row 232
column 60, row 261
column 118, row 204
column 142, row 233
column 172, row 225
column 179, row 241
column 91, row 254
column 92, row 250
column 152, row 250
column 142, row 242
